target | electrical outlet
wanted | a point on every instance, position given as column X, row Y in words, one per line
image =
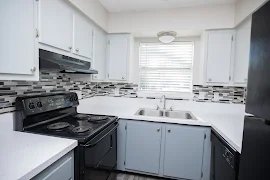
column 216, row 96
column 202, row 95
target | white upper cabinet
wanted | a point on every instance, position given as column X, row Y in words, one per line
column 243, row 35
column 99, row 55
column 219, row 56
column 118, row 57
column 55, row 24
column 83, row 37
column 18, row 52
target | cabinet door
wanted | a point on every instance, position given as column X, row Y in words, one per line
column 83, row 37
column 17, row 34
column 99, row 59
column 121, row 145
column 62, row 169
column 219, row 50
column 184, row 152
column 143, row 147
column 243, row 35
column 118, row 57
column 55, row 24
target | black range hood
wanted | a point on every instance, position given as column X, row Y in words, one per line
column 53, row 62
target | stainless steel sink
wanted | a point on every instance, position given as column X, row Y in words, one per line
column 166, row 114
column 150, row 112
column 180, row 115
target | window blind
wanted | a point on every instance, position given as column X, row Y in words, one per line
column 166, row 67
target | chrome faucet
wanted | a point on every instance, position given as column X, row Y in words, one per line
column 164, row 101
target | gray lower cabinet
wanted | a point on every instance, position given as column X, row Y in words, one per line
column 164, row 150
column 184, row 147
column 62, row 169
column 143, row 147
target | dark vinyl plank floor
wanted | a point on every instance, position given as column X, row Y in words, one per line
column 131, row 176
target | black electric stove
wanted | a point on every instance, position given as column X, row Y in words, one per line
column 56, row 115
column 81, row 127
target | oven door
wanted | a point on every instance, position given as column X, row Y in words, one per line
column 100, row 155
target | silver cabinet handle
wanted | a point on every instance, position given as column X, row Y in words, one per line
column 77, row 50
column 123, row 77
column 95, row 76
column 37, row 33
column 169, row 130
column 209, row 79
column 158, row 129
column 70, row 47
column 33, row 69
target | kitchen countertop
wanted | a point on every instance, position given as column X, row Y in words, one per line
column 226, row 119
column 24, row 155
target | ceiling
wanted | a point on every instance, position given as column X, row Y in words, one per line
column 141, row 5
column 180, row 33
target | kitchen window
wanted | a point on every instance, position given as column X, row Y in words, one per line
column 166, row 67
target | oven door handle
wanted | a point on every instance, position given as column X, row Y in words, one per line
column 95, row 143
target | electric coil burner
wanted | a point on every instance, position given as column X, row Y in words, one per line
column 56, row 115
column 81, row 129
column 58, row 126
column 92, row 118
column 98, row 118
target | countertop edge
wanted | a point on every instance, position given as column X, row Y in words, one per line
column 49, row 162
column 233, row 144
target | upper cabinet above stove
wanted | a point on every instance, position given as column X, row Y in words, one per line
column 55, row 24
column 64, row 30
column 83, row 36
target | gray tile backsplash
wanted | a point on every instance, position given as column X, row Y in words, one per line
column 219, row 94
column 58, row 82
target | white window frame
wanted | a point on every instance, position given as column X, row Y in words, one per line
column 169, row 94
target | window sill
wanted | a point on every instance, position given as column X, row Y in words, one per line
column 170, row 95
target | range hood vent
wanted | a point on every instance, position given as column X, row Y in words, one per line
column 53, row 62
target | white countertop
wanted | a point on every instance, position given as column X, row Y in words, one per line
column 226, row 119
column 24, row 155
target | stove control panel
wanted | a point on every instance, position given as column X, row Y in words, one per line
column 48, row 103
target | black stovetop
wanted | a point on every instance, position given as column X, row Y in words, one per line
column 88, row 124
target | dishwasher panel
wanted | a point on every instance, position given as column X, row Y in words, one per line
column 224, row 160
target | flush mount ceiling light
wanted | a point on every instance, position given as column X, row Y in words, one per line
column 167, row 37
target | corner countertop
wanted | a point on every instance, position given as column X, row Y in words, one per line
column 24, row 155
column 226, row 119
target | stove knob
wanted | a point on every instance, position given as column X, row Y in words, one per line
column 31, row 106
column 39, row 104
column 75, row 98
column 71, row 99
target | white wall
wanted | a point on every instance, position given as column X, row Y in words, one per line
column 94, row 10
column 186, row 18
column 244, row 8
column 134, row 76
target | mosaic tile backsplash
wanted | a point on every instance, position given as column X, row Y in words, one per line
column 58, row 82
column 220, row 94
